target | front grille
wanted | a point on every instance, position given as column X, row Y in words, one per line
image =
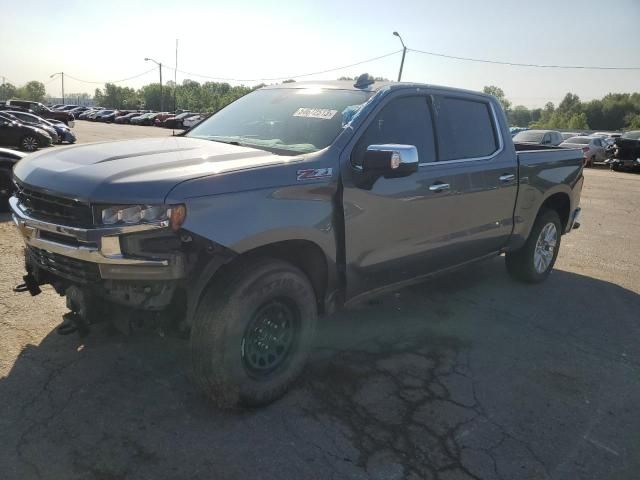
column 75, row 270
column 50, row 208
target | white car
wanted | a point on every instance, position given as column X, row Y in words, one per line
column 593, row 148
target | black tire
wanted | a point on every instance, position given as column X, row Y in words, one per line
column 29, row 143
column 226, row 324
column 521, row 264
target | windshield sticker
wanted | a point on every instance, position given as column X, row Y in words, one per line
column 322, row 113
column 314, row 173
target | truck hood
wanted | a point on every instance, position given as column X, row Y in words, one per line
column 134, row 171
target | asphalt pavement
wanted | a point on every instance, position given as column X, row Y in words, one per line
column 466, row 376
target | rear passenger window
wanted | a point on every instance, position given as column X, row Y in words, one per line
column 465, row 128
column 405, row 121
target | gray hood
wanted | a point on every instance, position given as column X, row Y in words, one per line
column 134, row 171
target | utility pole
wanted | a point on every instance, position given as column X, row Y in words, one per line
column 404, row 52
column 175, row 82
column 161, row 94
column 62, row 77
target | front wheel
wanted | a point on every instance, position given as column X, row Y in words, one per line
column 29, row 143
column 534, row 261
column 252, row 333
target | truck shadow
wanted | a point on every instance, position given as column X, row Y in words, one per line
column 451, row 378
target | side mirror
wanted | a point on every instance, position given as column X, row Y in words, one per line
column 390, row 160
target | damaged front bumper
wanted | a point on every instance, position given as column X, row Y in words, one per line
column 64, row 250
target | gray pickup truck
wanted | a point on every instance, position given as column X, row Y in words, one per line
column 293, row 201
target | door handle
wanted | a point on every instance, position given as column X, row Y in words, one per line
column 439, row 187
column 507, row 178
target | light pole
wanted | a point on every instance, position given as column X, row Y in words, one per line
column 404, row 52
column 62, row 77
column 161, row 95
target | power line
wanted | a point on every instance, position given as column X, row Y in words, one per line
column 288, row 76
column 516, row 64
column 111, row 81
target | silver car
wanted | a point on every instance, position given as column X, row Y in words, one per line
column 593, row 148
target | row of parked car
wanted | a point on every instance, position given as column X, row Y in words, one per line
column 27, row 131
column 619, row 151
column 180, row 119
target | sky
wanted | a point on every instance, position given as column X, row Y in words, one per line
column 101, row 41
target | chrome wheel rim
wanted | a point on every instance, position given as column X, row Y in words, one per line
column 545, row 247
column 29, row 144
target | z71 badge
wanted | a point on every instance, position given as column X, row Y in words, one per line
column 314, row 173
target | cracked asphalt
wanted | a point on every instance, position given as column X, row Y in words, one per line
column 467, row 376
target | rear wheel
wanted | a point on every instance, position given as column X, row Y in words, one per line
column 29, row 143
column 252, row 333
column 534, row 261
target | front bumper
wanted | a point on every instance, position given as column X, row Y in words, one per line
column 99, row 246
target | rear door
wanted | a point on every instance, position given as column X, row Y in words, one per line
column 471, row 143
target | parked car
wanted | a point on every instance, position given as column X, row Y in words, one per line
column 626, row 152
column 175, row 121
column 161, row 117
column 42, row 125
column 42, row 111
column 63, row 133
column 127, row 117
column 8, row 158
column 541, row 137
column 78, row 110
column 16, row 134
column 593, row 148
column 190, row 122
column 270, row 213
column 67, row 108
column 106, row 116
column 87, row 113
column 144, row 119
column 93, row 115
column 567, row 135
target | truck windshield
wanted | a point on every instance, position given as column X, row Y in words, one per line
column 288, row 121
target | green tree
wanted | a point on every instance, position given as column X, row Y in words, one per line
column 33, row 91
column 499, row 94
column 570, row 104
column 7, row 91
column 578, row 121
column 633, row 122
column 520, row 116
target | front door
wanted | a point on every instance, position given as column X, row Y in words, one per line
column 448, row 212
column 395, row 226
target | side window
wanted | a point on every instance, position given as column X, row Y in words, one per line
column 546, row 140
column 465, row 128
column 405, row 121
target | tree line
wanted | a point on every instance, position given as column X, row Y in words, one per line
column 614, row 111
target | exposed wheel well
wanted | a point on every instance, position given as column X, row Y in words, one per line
column 560, row 203
column 304, row 254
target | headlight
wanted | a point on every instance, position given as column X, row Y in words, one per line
column 140, row 214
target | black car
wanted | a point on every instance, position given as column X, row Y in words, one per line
column 176, row 120
column 34, row 121
column 8, row 159
column 25, row 137
column 626, row 152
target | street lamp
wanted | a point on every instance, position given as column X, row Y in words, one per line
column 161, row 95
column 404, row 52
column 62, row 77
